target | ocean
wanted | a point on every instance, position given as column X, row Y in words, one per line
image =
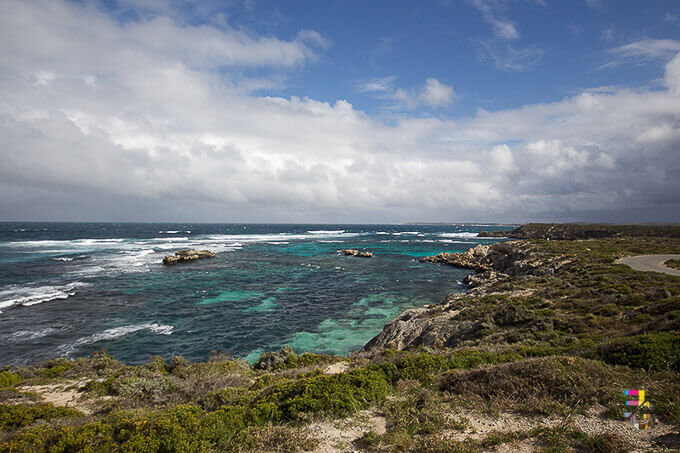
column 70, row 289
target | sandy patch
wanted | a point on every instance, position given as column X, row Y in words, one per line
column 481, row 425
column 65, row 394
column 336, row 368
column 339, row 435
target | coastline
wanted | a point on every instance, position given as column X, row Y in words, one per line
column 534, row 355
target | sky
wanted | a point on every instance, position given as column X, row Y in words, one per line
column 340, row 111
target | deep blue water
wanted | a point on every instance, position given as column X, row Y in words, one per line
column 69, row 289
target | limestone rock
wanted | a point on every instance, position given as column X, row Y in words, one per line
column 187, row 256
column 352, row 252
column 438, row 326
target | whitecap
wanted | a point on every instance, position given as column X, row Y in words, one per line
column 117, row 332
column 169, row 232
column 63, row 259
column 28, row 335
column 325, row 231
column 406, row 232
column 465, row 234
column 32, row 295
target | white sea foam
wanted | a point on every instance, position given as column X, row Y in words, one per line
column 32, row 295
column 63, row 259
column 464, row 234
column 29, row 335
column 117, row 332
column 451, row 241
column 325, row 231
column 381, row 232
column 405, row 232
column 169, row 232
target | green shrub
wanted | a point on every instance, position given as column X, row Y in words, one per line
column 338, row 394
column 55, row 368
column 286, row 359
column 13, row 417
column 675, row 264
column 545, row 385
column 425, row 367
column 654, row 351
column 143, row 387
column 9, row 379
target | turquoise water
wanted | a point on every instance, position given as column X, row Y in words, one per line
column 72, row 289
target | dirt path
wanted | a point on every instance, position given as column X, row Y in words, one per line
column 650, row 263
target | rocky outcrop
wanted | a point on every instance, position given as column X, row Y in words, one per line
column 508, row 258
column 438, row 326
column 417, row 327
column 352, row 252
column 187, row 256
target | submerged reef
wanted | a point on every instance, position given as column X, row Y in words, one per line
column 535, row 355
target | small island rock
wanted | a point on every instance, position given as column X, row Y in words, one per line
column 187, row 256
column 352, row 252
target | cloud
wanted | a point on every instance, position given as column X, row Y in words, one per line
column 131, row 124
column 502, row 27
column 670, row 17
column 432, row 93
column 595, row 4
column 511, row 59
column 641, row 52
column 380, row 84
column 505, row 29
column 158, row 37
column 672, row 76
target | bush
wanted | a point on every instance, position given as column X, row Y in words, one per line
column 9, row 379
column 338, row 394
column 146, row 388
column 13, row 417
column 535, row 385
column 55, row 368
column 654, row 351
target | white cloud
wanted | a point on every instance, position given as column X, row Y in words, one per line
column 491, row 12
column 672, row 77
column 670, row 17
column 504, row 29
column 381, row 84
column 511, row 59
column 640, row 52
column 432, row 93
column 137, row 127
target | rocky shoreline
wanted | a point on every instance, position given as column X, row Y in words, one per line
column 435, row 326
column 533, row 357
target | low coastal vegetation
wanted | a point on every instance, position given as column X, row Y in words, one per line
column 537, row 357
column 674, row 264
